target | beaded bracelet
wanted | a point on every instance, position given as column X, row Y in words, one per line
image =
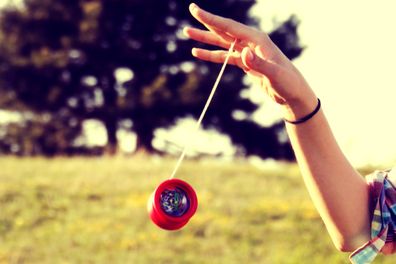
column 305, row 118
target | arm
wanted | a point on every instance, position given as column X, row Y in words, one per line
column 339, row 193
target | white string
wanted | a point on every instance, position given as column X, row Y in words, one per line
column 198, row 124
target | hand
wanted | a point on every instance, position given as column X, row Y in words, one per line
column 254, row 53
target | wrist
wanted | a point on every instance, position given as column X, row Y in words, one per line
column 300, row 108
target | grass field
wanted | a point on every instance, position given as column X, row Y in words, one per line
column 93, row 210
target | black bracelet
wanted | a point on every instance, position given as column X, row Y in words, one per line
column 307, row 117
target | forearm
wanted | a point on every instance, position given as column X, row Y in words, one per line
column 338, row 191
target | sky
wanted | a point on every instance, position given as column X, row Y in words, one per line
column 348, row 61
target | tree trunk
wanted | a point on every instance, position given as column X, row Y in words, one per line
column 144, row 135
column 111, row 125
column 110, row 121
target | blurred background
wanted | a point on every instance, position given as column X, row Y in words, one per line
column 98, row 97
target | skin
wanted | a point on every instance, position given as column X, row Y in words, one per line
column 339, row 192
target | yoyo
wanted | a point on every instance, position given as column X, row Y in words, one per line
column 172, row 204
column 174, row 201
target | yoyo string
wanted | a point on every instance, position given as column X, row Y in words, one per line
column 198, row 124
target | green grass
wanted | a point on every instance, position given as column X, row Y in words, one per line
column 86, row 210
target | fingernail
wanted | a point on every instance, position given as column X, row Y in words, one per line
column 185, row 31
column 250, row 55
column 193, row 6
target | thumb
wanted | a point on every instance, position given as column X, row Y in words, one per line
column 258, row 64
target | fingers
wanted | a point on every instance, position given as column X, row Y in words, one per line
column 209, row 38
column 247, row 61
column 260, row 65
column 212, row 28
column 205, row 37
column 218, row 56
column 224, row 25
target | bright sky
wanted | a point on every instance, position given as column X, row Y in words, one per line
column 349, row 62
column 6, row 2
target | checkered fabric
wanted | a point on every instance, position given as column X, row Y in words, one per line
column 383, row 225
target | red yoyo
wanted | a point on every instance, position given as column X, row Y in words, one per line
column 172, row 204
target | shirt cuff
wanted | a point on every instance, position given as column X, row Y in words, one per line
column 383, row 222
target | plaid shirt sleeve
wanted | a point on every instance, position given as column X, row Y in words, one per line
column 383, row 224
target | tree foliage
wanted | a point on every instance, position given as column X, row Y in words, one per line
column 61, row 59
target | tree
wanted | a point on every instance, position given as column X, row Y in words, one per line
column 63, row 58
column 29, row 137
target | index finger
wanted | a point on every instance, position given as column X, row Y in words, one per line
column 236, row 29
